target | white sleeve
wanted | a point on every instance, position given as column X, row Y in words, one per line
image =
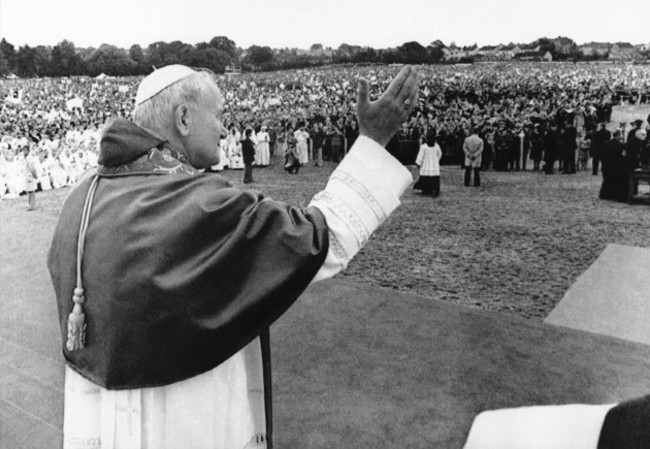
column 420, row 156
column 573, row 426
column 362, row 191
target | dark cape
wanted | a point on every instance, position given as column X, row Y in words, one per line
column 180, row 269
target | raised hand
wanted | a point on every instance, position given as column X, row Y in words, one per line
column 381, row 119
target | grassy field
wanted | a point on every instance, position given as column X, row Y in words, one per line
column 514, row 245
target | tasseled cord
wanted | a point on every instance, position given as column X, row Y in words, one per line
column 77, row 319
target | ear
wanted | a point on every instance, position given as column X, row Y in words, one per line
column 182, row 120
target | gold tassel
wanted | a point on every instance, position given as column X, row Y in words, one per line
column 76, row 322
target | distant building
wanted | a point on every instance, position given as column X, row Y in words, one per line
column 595, row 49
column 489, row 52
column 508, row 51
column 532, row 55
column 455, row 53
column 490, row 49
column 530, row 47
column 471, row 50
column 622, row 51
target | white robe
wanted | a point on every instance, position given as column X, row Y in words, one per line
column 262, row 152
column 574, row 426
column 224, row 162
column 44, row 177
column 224, row 407
column 234, row 152
column 302, row 146
column 428, row 159
column 59, row 176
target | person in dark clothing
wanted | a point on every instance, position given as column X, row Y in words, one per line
column 318, row 139
column 637, row 126
column 337, row 143
column 633, row 153
column 614, row 186
column 327, row 142
column 502, row 143
column 514, row 152
column 273, row 138
column 248, row 154
column 351, row 134
column 551, row 145
column 291, row 161
column 633, row 149
column 568, row 149
column 602, row 136
column 645, row 150
column 536, row 147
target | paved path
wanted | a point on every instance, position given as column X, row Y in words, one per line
column 612, row 297
column 31, row 367
column 353, row 366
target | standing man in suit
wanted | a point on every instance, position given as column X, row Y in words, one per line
column 473, row 148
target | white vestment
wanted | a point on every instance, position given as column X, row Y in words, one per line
column 302, row 145
column 262, row 153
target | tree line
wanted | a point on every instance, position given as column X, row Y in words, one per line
column 65, row 59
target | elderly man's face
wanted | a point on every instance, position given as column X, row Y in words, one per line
column 206, row 130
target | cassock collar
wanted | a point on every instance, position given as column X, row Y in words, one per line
column 128, row 149
column 123, row 141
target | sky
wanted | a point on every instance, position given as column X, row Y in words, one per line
column 299, row 24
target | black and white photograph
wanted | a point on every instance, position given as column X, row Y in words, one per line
column 324, row 224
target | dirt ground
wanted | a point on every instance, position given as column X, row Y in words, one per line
column 514, row 245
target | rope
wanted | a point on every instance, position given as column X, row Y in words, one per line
column 77, row 318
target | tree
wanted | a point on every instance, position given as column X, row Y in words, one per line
column 346, row 50
column 412, row 53
column 258, row 56
column 25, row 64
column 110, row 60
column 33, row 61
column 210, row 58
column 65, row 61
column 154, row 55
column 137, row 56
column 9, row 54
column 42, row 57
column 161, row 54
column 368, row 54
column 177, row 53
column 316, row 47
column 4, row 65
column 225, row 44
column 560, row 47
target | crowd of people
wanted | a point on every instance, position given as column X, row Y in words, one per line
column 528, row 115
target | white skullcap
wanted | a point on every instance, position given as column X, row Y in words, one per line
column 161, row 79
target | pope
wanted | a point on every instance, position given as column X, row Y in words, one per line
column 167, row 278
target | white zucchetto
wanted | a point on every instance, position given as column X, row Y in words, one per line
column 159, row 80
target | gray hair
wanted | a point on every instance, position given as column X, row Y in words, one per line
column 155, row 112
